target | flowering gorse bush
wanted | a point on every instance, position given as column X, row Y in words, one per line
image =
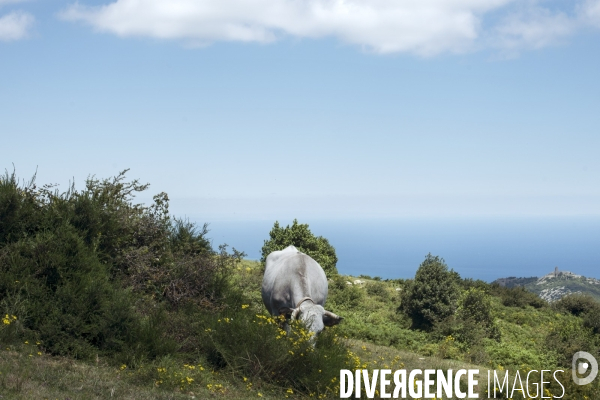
column 258, row 348
column 8, row 328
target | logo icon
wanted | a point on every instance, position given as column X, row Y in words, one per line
column 580, row 368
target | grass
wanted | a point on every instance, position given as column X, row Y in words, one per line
column 384, row 357
column 24, row 374
column 46, row 377
column 49, row 377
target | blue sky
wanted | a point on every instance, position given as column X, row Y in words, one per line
column 275, row 109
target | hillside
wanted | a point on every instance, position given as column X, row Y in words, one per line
column 377, row 337
column 555, row 285
column 102, row 298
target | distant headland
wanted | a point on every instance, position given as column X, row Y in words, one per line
column 555, row 284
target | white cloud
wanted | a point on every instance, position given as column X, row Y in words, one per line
column 421, row 26
column 535, row 28
column 15, row 25
column 424, row 27
column 590, row 12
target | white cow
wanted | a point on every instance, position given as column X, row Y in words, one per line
column 294, row 284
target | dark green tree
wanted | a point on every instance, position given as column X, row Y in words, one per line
column 433, row 294
column 303, row 239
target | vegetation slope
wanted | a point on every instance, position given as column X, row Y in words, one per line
column 101, row 297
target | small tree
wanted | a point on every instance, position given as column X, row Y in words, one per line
column 432, row 295
column 476, row 306
column 299, row 236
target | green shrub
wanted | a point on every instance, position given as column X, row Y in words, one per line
column 381, row 329
column 517, row 297
column 302, row 238
column 591, row 319
column 187, row 239
column 469, row 283
column 576, row 304
column 9, row 327
column 202, row 279
column 378, row 290
column 581, row 305
column 432, row 295
column 149, row 339
column 69, row 301
column 255, row 346
column 68, row 262
column 467, row 329
column 568, row 337
column 397, row 282
column 466, row 334
column 571, row 390
column 343, row 296
column 511, row 355
column 475, row 306
column 448, row 348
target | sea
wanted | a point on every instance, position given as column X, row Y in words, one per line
column 482, row 248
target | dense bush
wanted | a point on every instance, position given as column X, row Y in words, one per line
column 517, row 297
column 591, row 319
column 343, row 296
column 476, row 305
column 513, row 355
column 381, row 329
column 63, row 294
column 581, row 305
column 378, row 289
column 472, row 322
column 576, row 304
column 572, row 390
column 68, row 262
column 432, row 295
column 568, row 337
column 202, row 279
column 302, row 238
column 469, row 283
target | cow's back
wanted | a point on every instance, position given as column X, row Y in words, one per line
column 291, row 276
